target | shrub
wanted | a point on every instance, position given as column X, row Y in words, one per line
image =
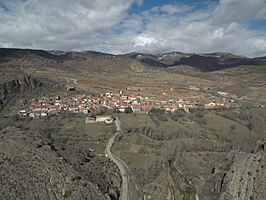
column 158, row 113
column 128, row 110
column 177, row 115
column 233, row 127
column 199, row 113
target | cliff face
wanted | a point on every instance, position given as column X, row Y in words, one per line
column 246, row 178
column 13, row 88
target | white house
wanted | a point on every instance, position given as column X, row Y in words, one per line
column 90, row 120
column 136, row 109
column 43, row 114
column 122, row 108
column 106, row 118
column 32, row 115
column 210, row 105
column 73, row 109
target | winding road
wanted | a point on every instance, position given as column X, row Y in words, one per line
column 120, row 164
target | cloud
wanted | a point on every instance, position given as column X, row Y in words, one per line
column 215, row 28
column 144, row 40
column 239, row 11
column 174, row 9
column 218, row 33
column 107, row 25
column 59, row 24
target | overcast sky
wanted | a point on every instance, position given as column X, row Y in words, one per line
column 122, row 26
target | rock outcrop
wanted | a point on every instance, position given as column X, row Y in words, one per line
column 246, row 178
column 13, row 88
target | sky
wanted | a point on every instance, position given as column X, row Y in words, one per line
column 146, row 26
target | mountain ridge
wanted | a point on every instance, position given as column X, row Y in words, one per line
column 204, row 62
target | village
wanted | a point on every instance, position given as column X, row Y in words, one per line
column 123, row 102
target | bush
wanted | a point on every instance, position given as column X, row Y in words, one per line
column 177, row 115
column 233, row 127
column 199, row 113
column 251, row 124
column 158, row 113
column 83, row 158
column 198, row 116
column 128, row 110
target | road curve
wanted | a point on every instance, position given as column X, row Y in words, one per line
column 120, row 164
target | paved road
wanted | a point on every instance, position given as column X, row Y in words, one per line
column 120, row 164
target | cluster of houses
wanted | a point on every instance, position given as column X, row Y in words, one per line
column 119, row 101
column 45, row 106
column 140, row 103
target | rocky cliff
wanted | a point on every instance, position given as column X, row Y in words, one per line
column 23, row 86
column 245, row 179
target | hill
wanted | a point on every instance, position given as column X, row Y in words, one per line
column 204, row 62
column 154, row 74
column 173, row 155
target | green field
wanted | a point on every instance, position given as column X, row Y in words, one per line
column 197, row 144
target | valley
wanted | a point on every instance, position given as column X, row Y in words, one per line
column 196, row 120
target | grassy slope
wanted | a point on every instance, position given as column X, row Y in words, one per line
column 195, row 156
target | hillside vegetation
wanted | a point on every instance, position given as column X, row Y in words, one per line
column 205, row 154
